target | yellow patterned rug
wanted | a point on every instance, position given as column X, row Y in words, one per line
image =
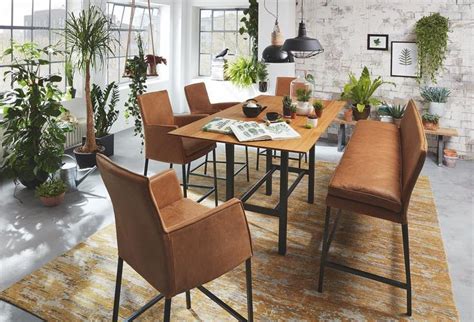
column 79, row 285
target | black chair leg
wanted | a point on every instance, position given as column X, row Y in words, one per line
column 167, row 310
column 118, row 285
column 406, row 252
column 205, row 164
column 306, row 158
column 214, row 165
column 247, row 163
column 258, row 158
column 185, row 183
column 188, row 172
column 325, row 249
column 248, row 277
column 188, row 299
column 145, row 171
column 299, row 160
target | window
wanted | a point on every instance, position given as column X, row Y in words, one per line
column 218, row 30
column 120, row 15
column 39, row 21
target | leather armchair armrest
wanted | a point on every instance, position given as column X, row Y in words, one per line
column 182, row 120
column 161, row 146
column 166, row 186
column 223, row 106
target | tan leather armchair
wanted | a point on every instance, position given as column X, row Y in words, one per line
column 174, row 243
column 158, row 120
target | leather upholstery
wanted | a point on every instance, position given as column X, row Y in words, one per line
column 198, row 100
column 379, row 168
column 158, row 120
column 174, row 243
column 282, row 87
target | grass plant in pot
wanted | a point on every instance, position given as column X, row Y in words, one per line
column 359, row 92
column 318, row 108
column 303, row 96
column 262, row 76
column 89, row 40
column 430, row 121
column 51, row 192
column 396, row 112
column 437, row 98
column 34, row 137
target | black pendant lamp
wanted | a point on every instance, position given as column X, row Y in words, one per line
column 302, row 46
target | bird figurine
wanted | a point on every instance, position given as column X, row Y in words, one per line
column 222, row 53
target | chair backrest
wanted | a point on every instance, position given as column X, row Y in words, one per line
column 413, row 149
column 197, row 97
column 282, row 87
column 140, row 235
column 155, row 108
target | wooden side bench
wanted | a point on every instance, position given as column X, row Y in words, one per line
column 440, row 134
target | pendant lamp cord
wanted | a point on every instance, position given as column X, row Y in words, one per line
column 302, row 8
column 272, row 14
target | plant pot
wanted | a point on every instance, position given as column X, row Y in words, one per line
column 386, row 118
column 32, row 184
column 286, row 111
column 263, row 86
column 293, row 115
column 302, row 108
column 397, row 121
column 348, row 115
column 430, row 126
column 318, row 113
column 106, row 141
column 86, row 160
column 312, row 121
column 450, row 161
column 52, row 201
column 364, row 115
column 450, row 152
column 437, row 108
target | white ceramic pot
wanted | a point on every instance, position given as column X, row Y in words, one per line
column 302, row 108
column 386, row 118
column 437, row 108
column 312, row 122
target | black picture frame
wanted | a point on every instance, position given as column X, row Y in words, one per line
column 393, row 72
column 370, row 47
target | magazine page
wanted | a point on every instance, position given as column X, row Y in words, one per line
column 250, row 131
column 220, row 125
column 281, row 131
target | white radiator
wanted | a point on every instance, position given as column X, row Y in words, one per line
column 75, row 137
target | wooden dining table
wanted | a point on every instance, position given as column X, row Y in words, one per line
column 306, row 143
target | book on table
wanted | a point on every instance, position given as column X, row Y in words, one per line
column 252, row 131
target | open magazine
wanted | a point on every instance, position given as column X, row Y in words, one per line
column 220, row 125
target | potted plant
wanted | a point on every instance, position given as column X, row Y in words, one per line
column 430, row 121
column 287, row 106
column 359, row 92
column 303, row 96
column 432, row 42
column 137, row 70
column 152, row 62
column 51, row 193
column 294, row 108
column 450, row 156
column 384, row 113
column 312, row 119
column 105, row 114
column 89, row 40
column 262, row 76
column 318, row 108
column 242, row 72
column 396, row 112
column 437, row 98
column 33, row 139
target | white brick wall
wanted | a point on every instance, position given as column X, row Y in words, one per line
column 342, row 27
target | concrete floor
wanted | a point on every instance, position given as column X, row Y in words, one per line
column 32, row 235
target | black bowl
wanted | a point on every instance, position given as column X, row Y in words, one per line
column 273, row 116
column 251, row 111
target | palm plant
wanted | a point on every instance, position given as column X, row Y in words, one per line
column 89, row 40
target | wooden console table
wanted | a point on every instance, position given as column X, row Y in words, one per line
column 440, row 134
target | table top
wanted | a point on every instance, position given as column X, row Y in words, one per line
column 441, row 131
column 308, row 138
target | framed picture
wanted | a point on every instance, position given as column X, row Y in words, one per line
column 404, row 59
column 377, row 42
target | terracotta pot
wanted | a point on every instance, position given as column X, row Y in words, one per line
column 293, row 115
column 364, row 115
column 430, row 126
column 348, row 115
column 397, row 122
column 319, row 113
column 450, row 153
column 52, row 201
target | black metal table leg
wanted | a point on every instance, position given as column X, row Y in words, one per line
column 268, row 166
column 229, row 170
column 283, row 209
column 440, row 150
column 311, row 175
column 341, row 137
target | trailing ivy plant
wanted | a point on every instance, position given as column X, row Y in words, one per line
column 250, row 26
column 136, row 68
column 34, row 137
column 432, row 41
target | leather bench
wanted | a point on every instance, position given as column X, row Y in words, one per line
column 375, row 177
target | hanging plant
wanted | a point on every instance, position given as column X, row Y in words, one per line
column 432, row 41
column 250, row 26
column 136, row 69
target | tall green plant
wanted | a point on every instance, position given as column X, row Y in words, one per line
column 136, row 68
column 34, row 138
column 250, row 26
column 360, row 91
column 242, row 72
column 432, row 41
column 89, row 39
column 103, row 105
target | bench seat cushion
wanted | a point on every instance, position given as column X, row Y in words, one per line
column 370, row 169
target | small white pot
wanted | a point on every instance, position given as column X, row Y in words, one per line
column 312, row 122
column 437, row 108
column 386, row 119
column 302, row 108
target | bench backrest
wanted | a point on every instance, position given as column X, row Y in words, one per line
column 414, row 148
